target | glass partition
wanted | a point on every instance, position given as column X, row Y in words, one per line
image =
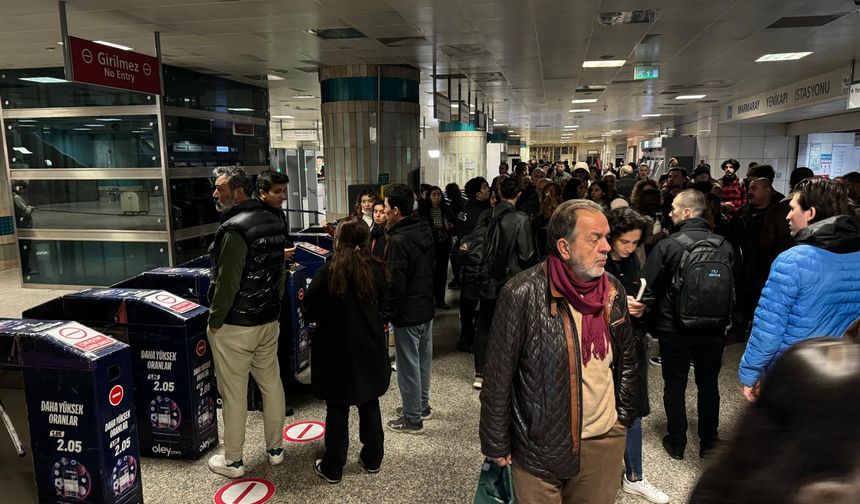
column 47, row 87
column 92, row 262
column 193, row 90
column 136, row 205
column 192, row 248
column 209, row 143
column 83, row 142
column 192, row 202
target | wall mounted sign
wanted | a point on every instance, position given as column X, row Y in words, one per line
column 243, row 129
column 98, row 64
column 300, row 135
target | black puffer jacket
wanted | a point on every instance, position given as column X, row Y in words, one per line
column 409, row 259
column 531, row 399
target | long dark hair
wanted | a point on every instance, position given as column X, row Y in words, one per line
column 356, row 211
column 351, row 264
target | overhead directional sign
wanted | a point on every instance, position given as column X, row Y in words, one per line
column 641, row 72
column 103, row 65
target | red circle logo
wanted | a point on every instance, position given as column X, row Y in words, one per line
column 301, row 294
column 116, row 395
column 200, row 348
column 165, row 298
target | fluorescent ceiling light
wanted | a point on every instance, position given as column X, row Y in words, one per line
column 43, row 80
column 108, row 119
column 455, row 105
column 94, row 125
column 304, row 96
column 510, row 131
column 575, row 110
column 240, row 109
column 651, row 115
column 690, row 97
column 111, row 44
column 82, row 129
column 571, row 126
column 783, row 56
column 501, row 124
column 27, row 120
column 283, row 117
column 273, row 77
column 603, row 63
column 22, row 150
column 615, row 131
column 595, row 141
column 433, row 153
column 584, row 100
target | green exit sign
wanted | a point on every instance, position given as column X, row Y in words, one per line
column 642, row 72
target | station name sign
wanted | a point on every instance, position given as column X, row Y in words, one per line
column 800, row 94
column 102, row 65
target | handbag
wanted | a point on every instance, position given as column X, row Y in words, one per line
column 495, row 485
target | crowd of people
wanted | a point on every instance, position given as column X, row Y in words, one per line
column 564, row 276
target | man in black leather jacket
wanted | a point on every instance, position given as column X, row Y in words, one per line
column 478, row 194
column 561, row 375
column 514, row 252
column 679, row 345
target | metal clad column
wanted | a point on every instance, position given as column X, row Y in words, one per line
column 370, row 119
column 463, row 152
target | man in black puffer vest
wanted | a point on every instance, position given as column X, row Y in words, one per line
column 245, row 304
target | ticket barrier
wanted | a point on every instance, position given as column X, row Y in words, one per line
column 80, row 409
column 171, row 362
column 312, row 257
column 203, row 261
column 315, row 235
column 193, row 283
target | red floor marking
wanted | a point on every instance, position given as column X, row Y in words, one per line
column 246, row 492
column 305, row 431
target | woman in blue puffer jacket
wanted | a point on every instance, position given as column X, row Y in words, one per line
column 814, row 287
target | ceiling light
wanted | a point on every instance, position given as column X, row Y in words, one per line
column 510, row 131
column 783, row 56
column 571, row 126
column 111, row 44
column 603, row 63
column 455, row 105
column 283, row 117
column 82, row 129
column 304, row 97
column 27, row 120
column 690, row 97
column 574, row 110
column 651, row 115
column 273, row 77
column 22, row 150
column 94, row 125
column 240, row 109
column 500, row 124
column 595, row 141
column 108, row 119
column 615, row 131
column 584, row 100
column 42, row 80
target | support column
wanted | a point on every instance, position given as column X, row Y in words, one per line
column 463, row 153
column 370, row 116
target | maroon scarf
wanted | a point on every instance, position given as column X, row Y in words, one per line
column 589, row 299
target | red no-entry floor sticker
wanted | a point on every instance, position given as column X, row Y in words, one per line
column 245, row 491
column 304, row 432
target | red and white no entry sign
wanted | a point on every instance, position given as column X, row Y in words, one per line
column 245, row 491
column 116, row 394
column 304, row 432
column 200, row 348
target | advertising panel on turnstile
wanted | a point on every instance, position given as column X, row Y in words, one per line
column 171, row 361
column 80, row 410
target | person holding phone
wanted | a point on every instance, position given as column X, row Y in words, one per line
column 628, row 229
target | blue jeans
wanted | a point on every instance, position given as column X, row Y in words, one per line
column 633, row 452
column 413, row 348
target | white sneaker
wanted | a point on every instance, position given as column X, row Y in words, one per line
column 644, row 489
column 276, row 456
column 478, row 384
column 230, row 468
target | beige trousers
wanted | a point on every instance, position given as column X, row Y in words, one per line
column 238, row 350
column 598, row 480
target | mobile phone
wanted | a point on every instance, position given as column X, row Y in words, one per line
column 642, row 285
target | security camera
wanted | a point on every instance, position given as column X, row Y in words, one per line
column 605, row 107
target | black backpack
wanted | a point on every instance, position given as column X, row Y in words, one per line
column 475, row 251
column 703, row 285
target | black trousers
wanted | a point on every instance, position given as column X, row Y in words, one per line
column 455, row 266
column 468, row 319
column 337, row 437
column 706, row 352
column 440, row 271
column 482, row 335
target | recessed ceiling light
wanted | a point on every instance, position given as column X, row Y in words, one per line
column 510, row 131
column 651, row 115
column 283, row 117
column 94, row 125
column 783, row 56
column 690, row 97
column 108, row 119
column 584, row 100
column 81, row 129
column 603, row 63
column 111, row 44
column 304, row 97
column 574, row 110
column 273, row 77
column 571, row 126
column 42, row 80
column 240, row 109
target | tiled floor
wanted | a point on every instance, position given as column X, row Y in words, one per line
column 440, row 466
